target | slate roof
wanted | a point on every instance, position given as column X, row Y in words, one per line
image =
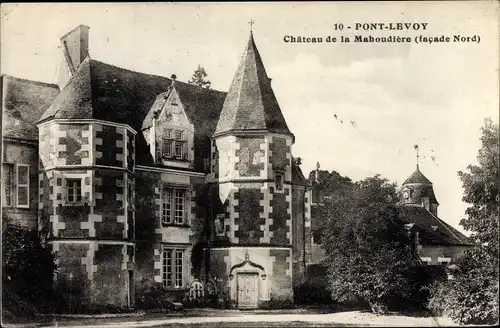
column 24, row 102
column 250, row 103
column 106, row 92
column 202, row 106
column 417, row 177
column 425, row 221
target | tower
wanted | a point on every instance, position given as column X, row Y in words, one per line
column 253, row 171
column 86, row 196
column 417, row 190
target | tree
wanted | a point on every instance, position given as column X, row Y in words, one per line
column 369, row 255
column 27, row 270
column 482, row 190
column 198, row 78
column 471, row 296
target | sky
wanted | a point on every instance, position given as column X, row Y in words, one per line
column 398, row 94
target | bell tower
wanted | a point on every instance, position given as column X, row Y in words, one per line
column 417, row 190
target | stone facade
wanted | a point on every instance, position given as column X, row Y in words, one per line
column 258, row 214
column 134, row 180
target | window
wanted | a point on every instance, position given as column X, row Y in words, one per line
column 8, row 178
column 174, row 144
column 167, row 143
column 279, row 181
column 74, row 190
column 173, row 263
column 130, row 194
column 178, row 150
column 173, row 206
column 220, row 228
column 23, row 185
column 316, row 237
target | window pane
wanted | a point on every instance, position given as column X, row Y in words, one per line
column 167, row 206
column 179, row 206
column 22, row 175
column 178, row 268
column 22, row 196
column 167, row 268
column 74, row 190
column 167, row 147
column 178, row 135
column 178, row 150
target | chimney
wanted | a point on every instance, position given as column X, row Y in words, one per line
column 75, row 46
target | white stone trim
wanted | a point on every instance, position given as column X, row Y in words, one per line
column 443, row 259
column 247, row 247
column 98, row 241
column 89, row 121
column 168, row 170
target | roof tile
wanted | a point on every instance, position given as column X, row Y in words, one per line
column 250, row 103
column 24, row 102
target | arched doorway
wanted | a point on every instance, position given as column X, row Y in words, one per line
column 248, row 283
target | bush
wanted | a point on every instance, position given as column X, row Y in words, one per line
column 471, row 295
column 309, row 293
column 27, row 271
column 152, row 296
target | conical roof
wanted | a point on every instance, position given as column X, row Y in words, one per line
column 250, row 103
column 417, row 177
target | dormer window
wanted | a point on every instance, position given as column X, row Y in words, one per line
column 174, row 144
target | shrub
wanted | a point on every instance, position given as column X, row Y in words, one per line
column 27, row 271
column 310, row 293
column 471, row 295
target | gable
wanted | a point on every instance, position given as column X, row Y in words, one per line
column 172, row 111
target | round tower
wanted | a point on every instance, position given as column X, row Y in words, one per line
column 253, row 170
column 86, row 192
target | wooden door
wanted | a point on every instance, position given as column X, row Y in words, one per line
column 248, row 290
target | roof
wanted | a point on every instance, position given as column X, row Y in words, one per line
column 106, row 92
column 297, row 175
column 24, row 102
column 109, row 93
column 417, row 177
column 250, row 103
column 425, row 222
column 202, row 106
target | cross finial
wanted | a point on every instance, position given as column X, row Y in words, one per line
column 251, row 22
column 417, row 150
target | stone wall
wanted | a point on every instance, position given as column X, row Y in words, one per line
column 94, row 274
column 92, row 234
column 152, row 236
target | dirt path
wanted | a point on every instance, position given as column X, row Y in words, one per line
column 242, row 319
